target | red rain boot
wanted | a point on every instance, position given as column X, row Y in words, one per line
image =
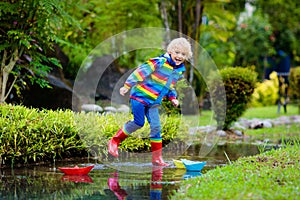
column 115, row 141
column 156, row 148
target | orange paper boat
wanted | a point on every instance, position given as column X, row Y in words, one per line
column 76, row 170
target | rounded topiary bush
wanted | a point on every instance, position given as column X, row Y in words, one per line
column 239, row 84
column 294, row 91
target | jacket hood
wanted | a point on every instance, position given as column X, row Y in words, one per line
column 172, row 63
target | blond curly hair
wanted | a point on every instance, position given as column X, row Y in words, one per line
column 181, row 44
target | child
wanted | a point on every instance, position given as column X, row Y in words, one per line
column 149, row 84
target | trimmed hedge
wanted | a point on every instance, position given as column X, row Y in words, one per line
column 294, row 91
column 239, row 84
column 32, row 135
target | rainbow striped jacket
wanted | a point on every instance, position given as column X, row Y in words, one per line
column 154, row 80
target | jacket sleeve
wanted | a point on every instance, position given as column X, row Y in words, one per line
column 142, row 72
column 172, row 94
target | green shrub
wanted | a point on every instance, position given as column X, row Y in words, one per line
column 239, row 84
column 32, row 135
column 294, row 91
column 96, row 133
column 266, row 92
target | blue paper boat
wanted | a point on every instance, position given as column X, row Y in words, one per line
column 195, row 166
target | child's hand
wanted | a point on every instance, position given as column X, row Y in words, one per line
column 123, row 91
column 175, row 102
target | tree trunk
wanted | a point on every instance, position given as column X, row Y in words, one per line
column 180, row 17
column 196, row 35
column 5, row 71
column 165, row 18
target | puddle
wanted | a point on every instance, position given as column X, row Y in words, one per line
column 104, row 182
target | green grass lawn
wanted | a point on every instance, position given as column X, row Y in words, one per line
column 276, row 132
column 271, row 175
column 292, row 130
column 269, row 112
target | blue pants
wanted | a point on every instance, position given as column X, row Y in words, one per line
column 139, row 112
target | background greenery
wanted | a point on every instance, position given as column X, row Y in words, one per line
column 35, row 31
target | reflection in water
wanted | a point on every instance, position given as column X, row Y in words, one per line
column 155, row 186
column 156, row 183
column 77, row 178
column 183, row 174
column 190, row 174
column 113, row 184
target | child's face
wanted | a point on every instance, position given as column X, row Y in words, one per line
column 178, row 56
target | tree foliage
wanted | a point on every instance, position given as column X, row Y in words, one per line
column 211, row 24
column 217, row 31
column 30, row 28
column 101, row 19
column 28, row 31
column 284, row 16
column 252, row 42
